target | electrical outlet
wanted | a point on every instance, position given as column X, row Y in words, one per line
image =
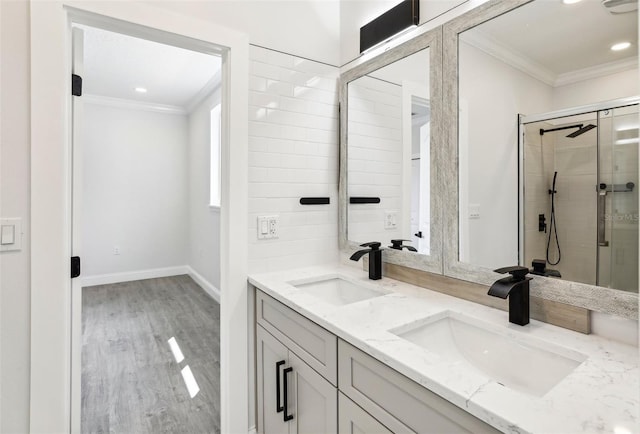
column 268, row 227
column 116, row 250
column 390, row 219
column 474, row 211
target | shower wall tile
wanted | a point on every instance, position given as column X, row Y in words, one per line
column 293, row 153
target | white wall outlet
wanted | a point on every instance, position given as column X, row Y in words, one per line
column 390, row 219
column 116, row 250
column 268, row 227
column 474, row 211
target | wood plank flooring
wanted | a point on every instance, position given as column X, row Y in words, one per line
column 131, row 382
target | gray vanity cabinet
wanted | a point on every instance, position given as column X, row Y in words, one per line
column 354, row 420
column 401, row 404
column 311, row 401
column 292, row 349
column 372, row 397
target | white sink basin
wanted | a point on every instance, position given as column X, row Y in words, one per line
column 527, row 365
column 338, row 291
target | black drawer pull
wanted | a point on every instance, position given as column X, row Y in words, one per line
column 279, row 408
column 287, row 417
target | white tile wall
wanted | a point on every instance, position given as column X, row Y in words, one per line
column 293, row 153
column 375, row 157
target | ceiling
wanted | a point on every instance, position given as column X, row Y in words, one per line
column 115, row 64
column 561, row 38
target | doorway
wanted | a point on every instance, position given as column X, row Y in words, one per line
column 146, row 223
column 55, row 313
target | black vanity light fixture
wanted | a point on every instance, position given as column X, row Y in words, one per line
column 392, row 22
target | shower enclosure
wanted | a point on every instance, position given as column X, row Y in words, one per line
column 579, row 194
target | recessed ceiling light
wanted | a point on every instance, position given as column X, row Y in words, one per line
column 141, row 90
column 621, row 46
column 570, row 2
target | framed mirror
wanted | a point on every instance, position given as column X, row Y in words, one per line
column 514, row 68
column 390, row 152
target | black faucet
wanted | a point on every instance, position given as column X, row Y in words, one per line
column 397, row 245
column 517, row 288
column 375, row 259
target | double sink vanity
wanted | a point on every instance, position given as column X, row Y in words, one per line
column 393, row 357
column 439, row 150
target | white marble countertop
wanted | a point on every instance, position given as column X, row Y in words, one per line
column 602, row 395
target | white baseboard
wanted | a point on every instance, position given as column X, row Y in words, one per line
column 204, row 283
column 128, row 276
column 252, row 430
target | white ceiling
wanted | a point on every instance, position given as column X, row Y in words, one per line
column 562, row 38
column 115, row 64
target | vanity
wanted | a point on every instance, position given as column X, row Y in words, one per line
column 340, row 353
column 450, row 147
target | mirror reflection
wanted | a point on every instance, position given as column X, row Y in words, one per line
column 513, row 65
column 581, row 202
column 388, row 165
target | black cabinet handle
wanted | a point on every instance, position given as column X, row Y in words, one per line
column 287, row 417
column 279, row 408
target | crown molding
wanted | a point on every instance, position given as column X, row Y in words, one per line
column 133, row 105
column 597, row 71
column 212, row 85
column 501, row 52
column 505, row 54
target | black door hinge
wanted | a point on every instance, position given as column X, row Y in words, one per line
column 75, row 266
column 76, row 85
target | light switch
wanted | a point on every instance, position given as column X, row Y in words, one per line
column 8, row 235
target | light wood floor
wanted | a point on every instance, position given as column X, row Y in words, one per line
column 131, row 382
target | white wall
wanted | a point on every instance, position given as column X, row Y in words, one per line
column 293, row 153
column 492, row 178
column 306, row 28
column 14, row 202
column 618, row 85
column 135, row 194
column 375, row 160
column 204, row 221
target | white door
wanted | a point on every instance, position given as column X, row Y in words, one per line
column 76, row 230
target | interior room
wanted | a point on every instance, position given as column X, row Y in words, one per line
column 335, row 216
column 148, row 176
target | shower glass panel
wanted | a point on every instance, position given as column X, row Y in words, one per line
column 618, row 198
column 580, row 203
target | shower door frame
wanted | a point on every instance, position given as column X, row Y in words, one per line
column 528, row 119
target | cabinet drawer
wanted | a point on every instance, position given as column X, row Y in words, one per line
column 399, row 403
column 313, row 344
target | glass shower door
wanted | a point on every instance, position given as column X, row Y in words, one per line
column 617, row 196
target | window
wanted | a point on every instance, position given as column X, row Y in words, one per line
column 214, row 169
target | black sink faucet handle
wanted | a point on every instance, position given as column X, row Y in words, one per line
column 374, row 245
column 516, row 271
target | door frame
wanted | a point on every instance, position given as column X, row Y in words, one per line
column 51, row 303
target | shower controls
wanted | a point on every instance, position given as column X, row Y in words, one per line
column 542, row 223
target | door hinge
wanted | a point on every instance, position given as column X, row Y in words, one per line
column 75, row 266
column 76, row 85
